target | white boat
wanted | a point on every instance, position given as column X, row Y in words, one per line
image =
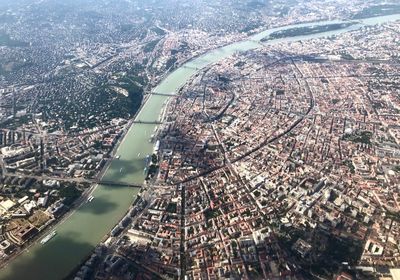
column 90, row 198
column 120, row 170
column 48, row 237
column 117, row 157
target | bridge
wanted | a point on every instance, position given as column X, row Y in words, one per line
column 256, row 41
column 162, row 94
column 191, row 68
column 115, row 183
column 76, row 180
column 147, row 122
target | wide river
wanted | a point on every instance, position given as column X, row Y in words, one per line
column 88, row 225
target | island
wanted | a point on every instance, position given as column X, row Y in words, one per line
column 306, row 30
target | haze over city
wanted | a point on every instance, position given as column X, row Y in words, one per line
column 199, row 139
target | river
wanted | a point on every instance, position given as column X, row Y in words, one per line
column 85, row 228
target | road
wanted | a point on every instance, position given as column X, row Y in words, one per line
column 44, row 177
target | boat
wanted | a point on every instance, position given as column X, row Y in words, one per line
column 147, row 160
column 48, row 237
column 90, row 198
column 117, row 157
column 120, row 170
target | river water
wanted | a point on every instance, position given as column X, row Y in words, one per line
column 85, row 228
